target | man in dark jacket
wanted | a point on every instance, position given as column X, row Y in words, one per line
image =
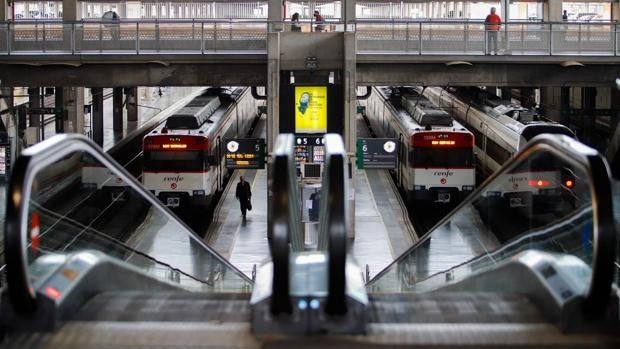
column 243, row 194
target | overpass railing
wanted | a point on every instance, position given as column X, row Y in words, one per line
column 419, row 37
column 472, row 38
column 132, row 37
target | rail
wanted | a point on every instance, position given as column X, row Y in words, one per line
column 332, row 232
column 412, row 37
column 24, row 184
column 284, row 224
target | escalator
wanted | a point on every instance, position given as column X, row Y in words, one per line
column 537, row 238
column 506, row 268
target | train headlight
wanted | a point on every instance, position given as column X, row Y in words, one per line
column 198, row 192
column 569, row 183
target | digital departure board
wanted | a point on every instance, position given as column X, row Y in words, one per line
column 245, row 153
column 377, row 153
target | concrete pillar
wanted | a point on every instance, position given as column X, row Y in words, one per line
column 350, row 118
column 615, row 11
column 275, row 14
column 132, row 105
column 565, row 105
column 588, row 101
column 527, row 97
column 70, row 10
column 506, row 93
column 273, row 89
column 58, row 102
column 348, row 11
column 97, row 115
column 5, row 10
column 117, row 109
column 552, row 11
column 33, row 132
column 73, row 103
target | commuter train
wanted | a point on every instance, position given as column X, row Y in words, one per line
column 436, row 156
column 183, row 159
column 501, row 129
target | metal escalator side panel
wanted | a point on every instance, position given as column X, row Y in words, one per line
column 281, row 223
column 84, row 199
column 553, row 196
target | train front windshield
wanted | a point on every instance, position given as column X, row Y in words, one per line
column 441, row 157
column 174, row 160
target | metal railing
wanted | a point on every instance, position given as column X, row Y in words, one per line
column 426, row 37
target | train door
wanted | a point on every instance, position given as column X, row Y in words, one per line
column 218, row 154
column 484, row 161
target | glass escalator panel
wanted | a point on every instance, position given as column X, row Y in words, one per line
column 542, row 201
column 77, row 203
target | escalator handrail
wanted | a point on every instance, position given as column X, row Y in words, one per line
column 335, row 224
column 599, row 176
column 280, row 224
column 21, row 292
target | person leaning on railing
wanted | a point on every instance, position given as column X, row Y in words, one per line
column 320, row 26
column 492, row 24
column 295, row 27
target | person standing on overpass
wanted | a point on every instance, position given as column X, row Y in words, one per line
column 492, row 24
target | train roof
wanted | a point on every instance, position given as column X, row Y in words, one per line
column 408, row 122
column 201, row 115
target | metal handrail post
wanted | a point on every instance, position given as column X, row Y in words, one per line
column 420, row 38
column 44, row 34
column 550, row 39
column 579, row 40
column 214, row 36
column 137, row 37
column 407, row 37
column 73, row 38
column 202, row 37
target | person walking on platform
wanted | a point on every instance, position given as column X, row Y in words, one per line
column 492, row 24
column 564, row 16
column 244, row 195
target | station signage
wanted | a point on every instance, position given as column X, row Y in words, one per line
column 310, row 140
column 379, row 153
column 245, row 153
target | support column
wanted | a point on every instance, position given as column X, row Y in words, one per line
column 70, row 10
column 97, row 115
column 506, row 93
column 350, row 119
column 33, row 132
column 275, row 14
column 565, row 105
column 132, row 107
column 588, row 102
column 348, row 11
column 552, row 11
column 273, row 102
column 58, row 102
column 527, row 97
column 615, row 10
column 5, row 10
column 117, row 109
column 73, row 103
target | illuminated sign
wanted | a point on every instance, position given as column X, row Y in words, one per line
column 377, row 153
column 310, row 109
column 309, row 140
column 245, row 153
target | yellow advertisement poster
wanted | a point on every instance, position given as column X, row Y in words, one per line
column 310, row 109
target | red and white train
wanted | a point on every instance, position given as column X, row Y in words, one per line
column 502, row 129
column 436, row 157
column 183, row 157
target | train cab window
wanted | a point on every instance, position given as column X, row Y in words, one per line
column 174, row 160
column 432, row 157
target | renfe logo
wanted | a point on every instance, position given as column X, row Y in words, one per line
column 443, row 173
column 174, row 179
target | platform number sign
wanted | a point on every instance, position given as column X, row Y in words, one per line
column 248, row 153
column 377, row 153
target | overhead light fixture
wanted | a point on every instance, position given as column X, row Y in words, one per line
column 571, row 64
column 292, row 79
